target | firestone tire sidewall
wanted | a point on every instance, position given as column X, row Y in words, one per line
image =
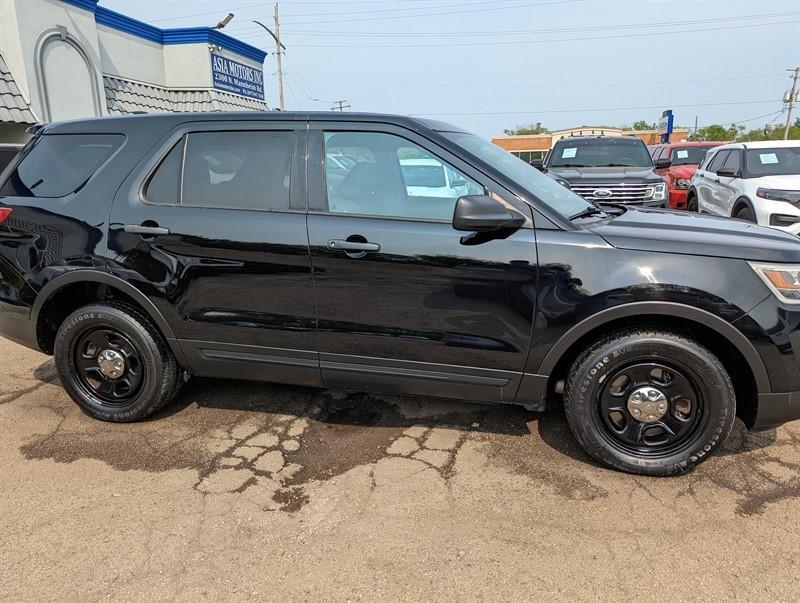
column 94, row 317
column 704, row 370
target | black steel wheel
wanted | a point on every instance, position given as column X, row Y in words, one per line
column 114, row 363
column 108, row 366
column 649, row 402
column 649, row 408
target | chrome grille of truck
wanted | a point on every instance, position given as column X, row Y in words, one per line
column 618, row 193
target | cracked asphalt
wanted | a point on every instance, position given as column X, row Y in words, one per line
column 244, row 490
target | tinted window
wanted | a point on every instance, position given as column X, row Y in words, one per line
column 717, row 161
column 241, row 170
column 781, row 161
column 732, row 160
column 6, row 155
column 60, row 164
column 385, row 175
column 600, row 152
column 693, row 155
column 164, row 185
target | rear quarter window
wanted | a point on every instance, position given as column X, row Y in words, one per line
column 60, row 164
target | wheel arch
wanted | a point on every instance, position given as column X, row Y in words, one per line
column 749, row 373
column 741, row 202
column 97, row 278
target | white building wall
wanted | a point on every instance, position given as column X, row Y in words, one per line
column 48, row 30
column 130, row 56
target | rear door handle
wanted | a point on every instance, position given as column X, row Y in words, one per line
column 149, row 231
column 352, row 245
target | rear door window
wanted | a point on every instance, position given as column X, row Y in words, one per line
column 732, row 160
column 228, row 170
column 60, row 164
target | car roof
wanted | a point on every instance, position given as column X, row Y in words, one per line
column 771, row 144
column 694, row 143
column 120, row 123
column 597, row 136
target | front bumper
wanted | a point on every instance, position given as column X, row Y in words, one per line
column 677, row 198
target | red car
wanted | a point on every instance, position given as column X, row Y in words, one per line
column 684, row 158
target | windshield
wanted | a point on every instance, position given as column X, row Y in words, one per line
column 600, row 152
column 693, row 155
column 783, row 161
column 545, row 189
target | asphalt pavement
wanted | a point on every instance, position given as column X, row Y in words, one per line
column 243, row 491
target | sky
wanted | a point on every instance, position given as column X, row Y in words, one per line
column 487, row 65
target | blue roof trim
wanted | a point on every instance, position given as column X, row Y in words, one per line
column 87, row 4
column 182, row 35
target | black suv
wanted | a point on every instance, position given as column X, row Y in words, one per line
column 141, row 250
column 616, row 169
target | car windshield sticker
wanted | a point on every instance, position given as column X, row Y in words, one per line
column 682, row 154
column 569, row 153
column 767, row 158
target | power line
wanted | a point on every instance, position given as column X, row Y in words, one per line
column 340, row 105
column 538, row 111
column 548, row 41
column 540, row 31
column 636, row 83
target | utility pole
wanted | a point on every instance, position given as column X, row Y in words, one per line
column 279, row 50
column 695, row 126
column 791, row 100
column 340, row 105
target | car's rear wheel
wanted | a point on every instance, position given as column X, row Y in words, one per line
column 114, row 363
column 746, row 213
column 649, row 402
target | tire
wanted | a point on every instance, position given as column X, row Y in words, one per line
column 699, row 403
column 745, row 213
column 691, row 203
column 149, row 376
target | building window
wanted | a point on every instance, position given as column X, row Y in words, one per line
column 528, row 156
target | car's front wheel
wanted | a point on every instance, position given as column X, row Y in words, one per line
column 114, row 363
column 746, row 214
column 649, row 402
column 691, row 202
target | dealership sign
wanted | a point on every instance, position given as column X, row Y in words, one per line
column 236, row 77
column 665, row 125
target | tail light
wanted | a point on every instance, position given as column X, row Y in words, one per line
column 4, row 213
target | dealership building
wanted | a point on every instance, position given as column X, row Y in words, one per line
column 66, row 59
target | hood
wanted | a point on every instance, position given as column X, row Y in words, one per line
column 697, row 234
column 789, row 182
column 595, row 175
column 683, row 171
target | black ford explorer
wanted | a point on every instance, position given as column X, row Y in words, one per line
column 616, row 169
column 143, row 250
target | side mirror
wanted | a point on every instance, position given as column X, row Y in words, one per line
column 479, row 213
column 727, row 172
column 538, row 164
column 662, row 164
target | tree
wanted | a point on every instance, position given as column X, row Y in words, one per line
column 643, row 125
column 715, row 132
column 528, row 130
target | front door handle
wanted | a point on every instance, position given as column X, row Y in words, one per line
column 716, row 180
column 352, row 245
column 147, row 231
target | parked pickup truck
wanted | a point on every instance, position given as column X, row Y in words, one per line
column 614, row 169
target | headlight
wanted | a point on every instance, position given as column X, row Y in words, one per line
column 683, row 182
column 782, row 279
column 774, row 194
column 657, row 192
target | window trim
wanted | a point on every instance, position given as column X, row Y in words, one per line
column 298, row 202
column 714, row 158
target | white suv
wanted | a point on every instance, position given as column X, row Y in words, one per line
column 754, row 181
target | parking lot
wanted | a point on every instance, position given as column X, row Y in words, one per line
column 244, row 489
